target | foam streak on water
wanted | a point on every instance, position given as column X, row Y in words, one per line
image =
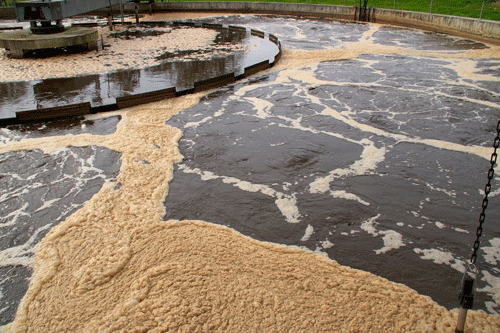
column 285, row 203
column 413, row 122
column 38, row 192
column 357, row 147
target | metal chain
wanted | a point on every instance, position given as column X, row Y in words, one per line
column 487, row 191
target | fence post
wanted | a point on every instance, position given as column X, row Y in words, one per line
column 121, row 10
column 394, row 5
column 482, row 8
column 432, row 1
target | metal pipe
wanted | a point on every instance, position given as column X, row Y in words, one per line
column 121, row 10
column 110, row 16
column 462, row 315
column 110, row 22
column 111, row 10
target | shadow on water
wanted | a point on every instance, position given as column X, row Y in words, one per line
column 176, row 69
column 133, row 34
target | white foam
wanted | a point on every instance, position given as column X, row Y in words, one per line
column 22, row 254
column 440, row 225
column 497, row 179
column 319, row 251
column 13, row 217
column 288, row 207
column 195, row 124
column 308, row 77
column 392, row 239
column 207, row 175
column 369, row 159
column 348, row 196
column 441, row 257
column 277, row 144
column 261, row 106
column 492, row 253
column 369, row 225
column 47, row 204
column 326, row 244
column 490, row 306
column 452, row 193
column 308, row 233
column 492, row 288
column 286, row 203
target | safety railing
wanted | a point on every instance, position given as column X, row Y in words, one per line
column 484, row 9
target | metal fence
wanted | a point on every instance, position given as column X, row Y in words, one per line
column 486, row 9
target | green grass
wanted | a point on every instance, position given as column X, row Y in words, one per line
column 467, row 8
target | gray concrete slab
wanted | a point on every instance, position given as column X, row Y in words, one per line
column 19, row 42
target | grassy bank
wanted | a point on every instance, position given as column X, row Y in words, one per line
column 466, row 8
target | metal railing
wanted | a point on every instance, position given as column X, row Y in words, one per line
column 483, row 9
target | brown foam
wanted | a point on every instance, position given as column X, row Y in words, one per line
column 196, row 276
column 114, row 265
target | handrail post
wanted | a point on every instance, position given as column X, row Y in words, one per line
column 462, row 315
column 121, row 10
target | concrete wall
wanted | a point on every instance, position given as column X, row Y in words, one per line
column 485, row 30
column 442, row 23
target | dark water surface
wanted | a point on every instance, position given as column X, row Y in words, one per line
column 37, row 191
column 368, row 160
column 411, row 217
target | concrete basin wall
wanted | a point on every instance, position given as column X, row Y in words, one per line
column 485, row 30
column 442, row 23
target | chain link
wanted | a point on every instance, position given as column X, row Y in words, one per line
column 487, row 190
